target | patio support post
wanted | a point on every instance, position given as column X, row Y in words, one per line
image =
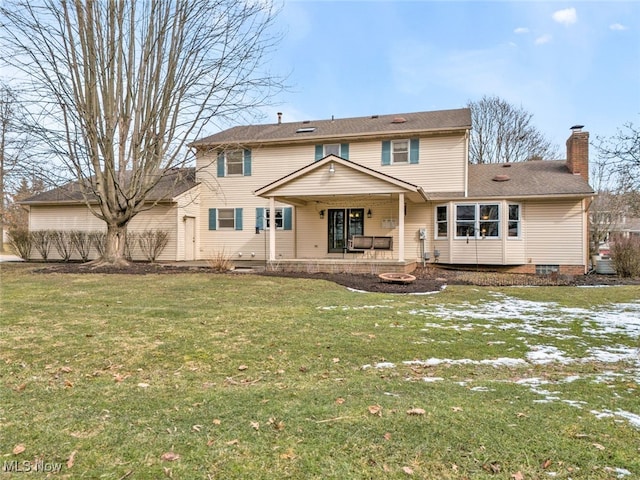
column 272, row 229
column 401, row 227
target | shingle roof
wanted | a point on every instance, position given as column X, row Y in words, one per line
column 542, row 177
column 375, row 125
column 170, row 186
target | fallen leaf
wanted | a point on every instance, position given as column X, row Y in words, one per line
column 493, row 467
column 143, row 385
column 288, row 455
column 18, row 449
column 71, row 460
column 407, row 470
column 66, row 369
column 517, row 476
column 546, row 463
column 235, row 441
column 68, row 384
column 167, row 472
column 375, row 410
column 170, row 457
column 255, row 425
column 340, row 401
column 21, row 387
column 216, row 421
column 210, row 442
column 456, row 409
column 387, row 436
column 416, row 411
column 196, row 428
column 521, row 415
column 242, row 367
column 598, row 446
column 336, row 360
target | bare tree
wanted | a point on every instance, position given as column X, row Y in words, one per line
column 124, row 86
column 503, row 133
column 13, row 143
column 621, row 152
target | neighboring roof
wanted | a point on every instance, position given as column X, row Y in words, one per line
column 374, row 125
column 170, row 186
column 524, row 179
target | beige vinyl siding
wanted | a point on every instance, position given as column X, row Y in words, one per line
column 78, row 217
column 554, row 232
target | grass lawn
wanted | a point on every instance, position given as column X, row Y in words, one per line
column 193, row 376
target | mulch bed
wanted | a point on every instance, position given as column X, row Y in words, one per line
column 428, row 279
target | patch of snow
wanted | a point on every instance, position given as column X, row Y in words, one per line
column 543, row 354
column 380, row 365
column 497, row 362
column 432, row 379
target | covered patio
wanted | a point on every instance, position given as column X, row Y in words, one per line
column 348, row 218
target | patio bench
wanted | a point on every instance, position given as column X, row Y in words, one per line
column 361, row 243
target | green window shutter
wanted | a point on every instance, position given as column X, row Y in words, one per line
column 414, row 150
column 238, row 219
column 344, row 151
column 286, row 218
column 319, row 152
column 221, row 164
column 386, row 152
column 212, row 219
column 247, row 163
column 260, row 218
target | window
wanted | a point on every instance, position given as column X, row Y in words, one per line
column 400, row 151
column 332, row 149
column 234, row 161
column 279, row 218
column 478, row 220
column 225, row 218
column 283, row 219
column 338, row 149
column 441, row 221
column 514, row 220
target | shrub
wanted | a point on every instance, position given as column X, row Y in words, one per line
column 130, row 245
column 152, row 243
column 42, row 240
column 20, row 240
column 625, row 254
column 98, row 239
column 62, row 241
column 220, row 262
column 81, row 242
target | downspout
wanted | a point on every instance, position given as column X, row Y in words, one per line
column 466, row 163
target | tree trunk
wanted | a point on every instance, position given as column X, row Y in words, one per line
column 114, row 249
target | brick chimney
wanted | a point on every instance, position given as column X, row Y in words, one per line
column 578, row 152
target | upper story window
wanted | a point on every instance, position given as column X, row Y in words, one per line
column 338, row 149
column 234, row 163
column 442, row 221
column 401, row 152
column 478, row 220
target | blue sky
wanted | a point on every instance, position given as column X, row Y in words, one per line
column 567, row 63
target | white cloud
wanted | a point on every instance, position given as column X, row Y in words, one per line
column 567, row 16
column 618, row 27
column 521, row 30
column 541, row 40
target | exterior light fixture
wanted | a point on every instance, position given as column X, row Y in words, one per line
column 321, row 213
column 369, row 213
column 332, row 169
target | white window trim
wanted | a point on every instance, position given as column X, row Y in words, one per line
column 267, row 220
column 436, row 223
column 477, row 220
column 392, row 153
column 519, row 236
column 325, row 145
column 226, row 163
column 218, row 218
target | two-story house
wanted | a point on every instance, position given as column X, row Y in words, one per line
column 382, row 193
